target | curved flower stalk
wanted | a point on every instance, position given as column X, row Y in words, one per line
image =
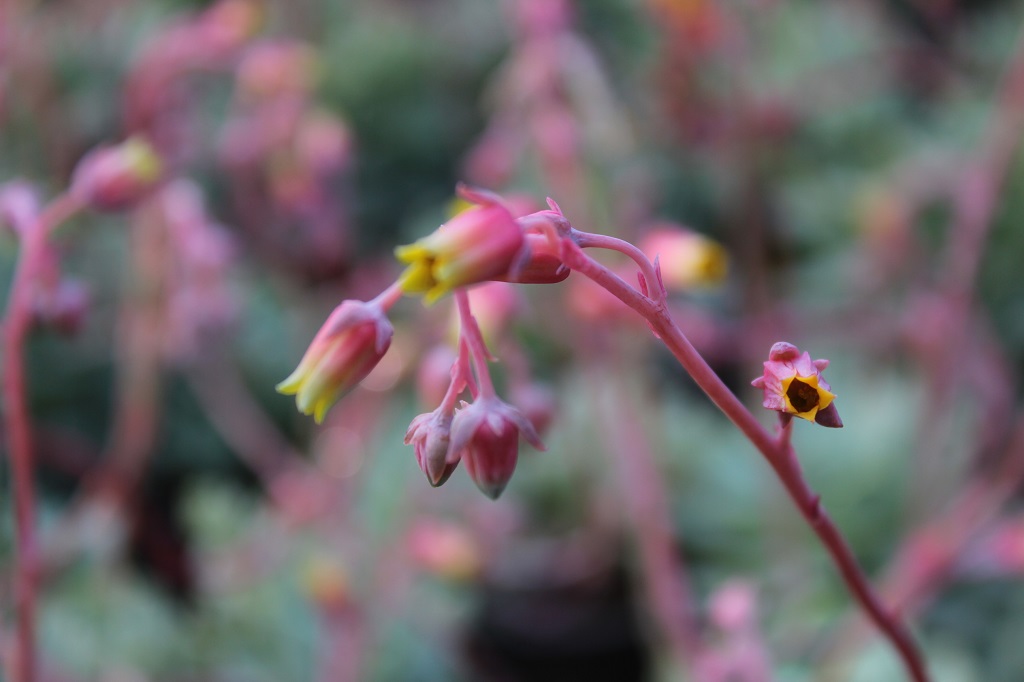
column 486, row 243
column 777, row 450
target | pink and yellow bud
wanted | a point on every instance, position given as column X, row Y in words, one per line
column 348, row 346
column 113, row 178
column 486, row 435
column 477, row 245
column 687, row 259
column 793, row 385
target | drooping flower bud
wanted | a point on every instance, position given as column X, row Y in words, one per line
column 351, row 342
column 687, row 259
column 476, row 245
column 793, row 385
column 116, row 177
column 430, row 436
column 486, row 435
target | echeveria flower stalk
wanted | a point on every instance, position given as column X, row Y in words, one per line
column 793, row 385
column 349, row 345
column 477, row 245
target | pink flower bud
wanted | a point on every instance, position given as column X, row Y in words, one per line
column 543, row 264
column 687, row 259
column 349, row 345
column 113, row 178
column 476, row 245
column 486, row 435
column 793, row 385
column 430, row 435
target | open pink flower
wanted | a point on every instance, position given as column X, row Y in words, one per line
column 793, row 385
column 486, row 435
column 349, row 345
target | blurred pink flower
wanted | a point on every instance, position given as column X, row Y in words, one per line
column 687, row 259
column 116, row 177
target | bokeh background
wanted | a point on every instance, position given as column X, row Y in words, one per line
column 855, row 160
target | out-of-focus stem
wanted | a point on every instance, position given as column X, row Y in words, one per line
column 976, row 199
column 665, row 576
column 239, row 419
column 780, row 455
column 17, row 424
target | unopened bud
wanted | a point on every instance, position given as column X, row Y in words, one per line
column 430, row 435
column 116, row 177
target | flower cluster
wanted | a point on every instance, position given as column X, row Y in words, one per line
column 481, row 243
column 486, row 242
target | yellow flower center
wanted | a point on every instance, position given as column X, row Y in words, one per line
column 804, row 398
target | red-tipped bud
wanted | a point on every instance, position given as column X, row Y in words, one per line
column 486, row 435
column 116, row 177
